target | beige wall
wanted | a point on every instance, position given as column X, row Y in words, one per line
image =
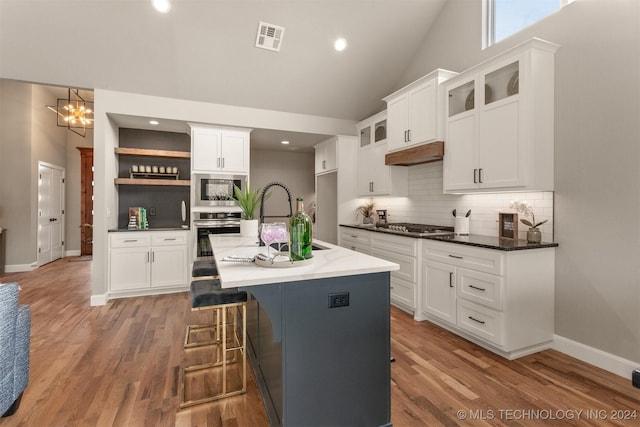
column 597, row 151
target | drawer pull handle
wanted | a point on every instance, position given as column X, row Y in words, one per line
column 131, row 240
column 475, row 287
column 451, row 279
column 355, row 237
column 476, row 320
column 168, row 239
column 456, row 256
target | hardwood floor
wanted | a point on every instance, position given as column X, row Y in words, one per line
column 119, row 365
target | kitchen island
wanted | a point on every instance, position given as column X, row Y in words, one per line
column 316, row 365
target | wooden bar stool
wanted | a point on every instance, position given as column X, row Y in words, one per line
column 207, row 294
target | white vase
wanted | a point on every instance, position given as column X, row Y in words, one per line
column 249, row 228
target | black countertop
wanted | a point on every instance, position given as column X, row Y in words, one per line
column 147, row 229
column 476, row 240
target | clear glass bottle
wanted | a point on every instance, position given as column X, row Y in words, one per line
column 300, row 232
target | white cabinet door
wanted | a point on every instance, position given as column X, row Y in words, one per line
column 460, row 170
column 397, row 122
column 234, row 152
column 206, row 150
column 129, row 268
column 501, row 154
column 440, row 290
column 423, row 113
column 169, row 265
column 326, row 159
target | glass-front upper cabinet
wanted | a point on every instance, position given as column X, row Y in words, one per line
column 365, row 136
column 380, row 132
column 502, row 83
column 461, row 98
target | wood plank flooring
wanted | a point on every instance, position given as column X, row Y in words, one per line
column 119, row 365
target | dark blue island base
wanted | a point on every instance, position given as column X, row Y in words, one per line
column 322, row 366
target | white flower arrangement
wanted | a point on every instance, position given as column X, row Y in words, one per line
column 525, row 209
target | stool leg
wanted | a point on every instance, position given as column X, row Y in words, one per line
column 244, row 347
column 224, row 351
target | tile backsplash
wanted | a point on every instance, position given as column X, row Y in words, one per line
column 427, row 204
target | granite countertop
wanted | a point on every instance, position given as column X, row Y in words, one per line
column 490, row 242
column 333, row 261
column 113, row 230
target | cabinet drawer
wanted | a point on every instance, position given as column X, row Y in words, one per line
column 398, row 244
column 482, row 288
column 358, row 247
column 169, row 239
column 402, row 293
column 407, row 264
column 353, row 235
column 484, row 322
column 130, row 240
column 485, row 260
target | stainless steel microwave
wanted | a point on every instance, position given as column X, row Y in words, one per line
column 217, row 190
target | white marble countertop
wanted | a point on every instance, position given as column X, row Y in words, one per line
column 332, row 262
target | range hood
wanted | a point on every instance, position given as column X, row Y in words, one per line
column 426, row 153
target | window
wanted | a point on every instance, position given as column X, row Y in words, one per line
column 503, row 18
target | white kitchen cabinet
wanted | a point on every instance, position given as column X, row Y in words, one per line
column 404, row 252
column 415, row 112
column 356, row 240
column 501, row 300
column 215, row 149
column 147, row 262
column 440, row 293
column 326, row 156
column 499, row 129
column 374, row 177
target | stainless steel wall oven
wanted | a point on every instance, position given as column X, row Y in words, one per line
column 206, row 223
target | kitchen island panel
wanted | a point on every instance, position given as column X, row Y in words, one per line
column 334, row 362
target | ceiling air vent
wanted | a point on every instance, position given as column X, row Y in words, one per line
column 269, row 36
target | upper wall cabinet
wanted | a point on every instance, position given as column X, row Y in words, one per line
column 219, row 149
column 326, row 156
column 374, row 177
column 499, row 129
column 414, row 113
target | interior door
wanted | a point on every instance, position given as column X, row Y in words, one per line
column 50, row 213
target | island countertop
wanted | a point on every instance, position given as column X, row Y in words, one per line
column 331, row 262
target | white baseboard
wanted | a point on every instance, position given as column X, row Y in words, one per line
column 98, row 300
column 607, row 361
column 75, row 252
column 20, row 268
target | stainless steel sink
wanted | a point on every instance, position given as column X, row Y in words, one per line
column 285, row 247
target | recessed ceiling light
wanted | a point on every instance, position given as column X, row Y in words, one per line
column 162, row 6
column 340, row 44
column 154, row 122
column 284, row 142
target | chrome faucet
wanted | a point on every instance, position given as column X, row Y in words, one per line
column 262, row 199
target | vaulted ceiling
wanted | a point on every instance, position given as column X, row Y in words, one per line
column 205, row 50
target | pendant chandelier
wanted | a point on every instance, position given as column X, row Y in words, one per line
column 74, row 113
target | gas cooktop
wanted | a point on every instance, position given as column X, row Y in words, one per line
column 415, row 229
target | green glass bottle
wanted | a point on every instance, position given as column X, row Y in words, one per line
column 300, row 232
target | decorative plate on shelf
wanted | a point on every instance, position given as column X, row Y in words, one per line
column 513, row 87
column 469, row 102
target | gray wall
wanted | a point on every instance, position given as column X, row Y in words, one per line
column 295, row 170
column 15, row 172
column 28, row 134
column 597, row 136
